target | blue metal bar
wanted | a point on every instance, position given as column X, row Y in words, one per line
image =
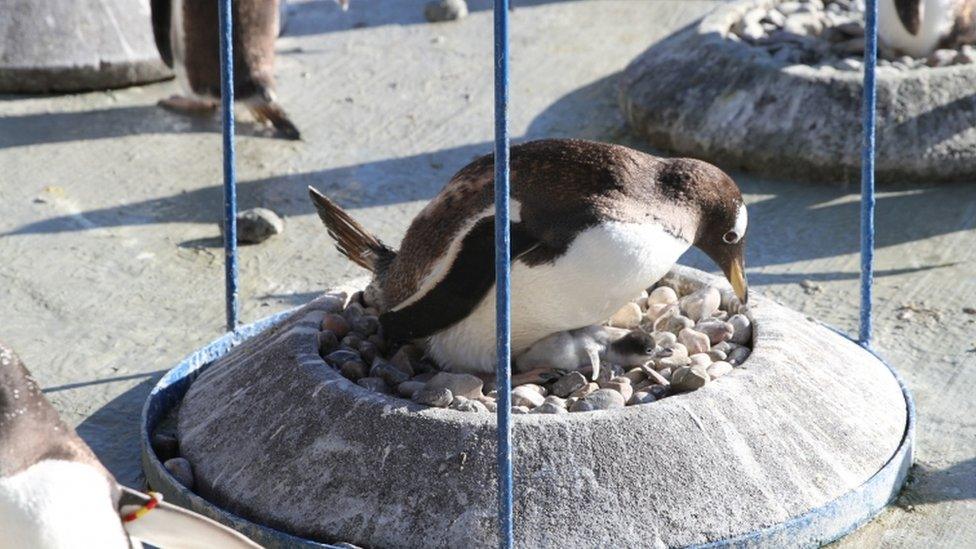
column 503, row 264
column 230, row 175
column 867, row 169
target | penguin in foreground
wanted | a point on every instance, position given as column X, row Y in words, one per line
column 54, row 493
column 188, row 38
column 576, row 349
column 592, row 225
column 919, row 27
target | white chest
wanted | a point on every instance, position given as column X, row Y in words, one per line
column 936, row 21
column 604, row 267
column 59, row 504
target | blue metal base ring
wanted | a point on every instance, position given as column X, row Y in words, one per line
column 816, row 527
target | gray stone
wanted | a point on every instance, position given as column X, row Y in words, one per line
column 327, row 343
column 602, row 399
column 520, row 410
column 737, row 115
column 354, row 369
column 166, row 446
column 641, row 397
column 375, row 384
column 389, row 373
column 549, row 408
column 337, row 324
column 409, row 388
column 625, row 389
column 702, row 303
column 695, row 341
column 527, row 397
column 59, row 46
column 568, row 384
column 718, row 369
column 257, row 225
column 465, row 385
column 689, row 378
column 341, row 356
column 445, row 10
column 741, row 330
column 941, row 58
column 462, row 404
column 351, row 428
column 738, row 355
column 181, row 469
column 716, row 329
column 434, row 396
column 629, row 316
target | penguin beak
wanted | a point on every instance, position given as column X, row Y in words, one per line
column 737, row 277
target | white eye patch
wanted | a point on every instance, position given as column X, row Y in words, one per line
column 739, row 229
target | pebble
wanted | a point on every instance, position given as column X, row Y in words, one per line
column 716, row 329
column 366, row 325
column 353, row 369
column 462, row 404
column 369, row 353
column 673, row 324
column 353, row 311
column 941, row 58
column 585, row 390
column 656, row 311
column 166, row 446
column 689, row 378
column 738, row 356
column 465, row 385
column 665, row 339
column 701, row 304
column 629, row 316
column 695, row 341
column 327, row 342
column 351, row 341
column 569, row 383
column 340, row 357
column 700, row 359
column 535, row 387
column 409, row 388
column 257, row 225
column 656, row 377
column 181, row 469
column 741, row 330
column 389, row 373
column 519, row 410
column 445, row 10
column 662, row 296
column 716, row 355
column 636, row 376
column 439, row 397
column 625, row 389
column 602, row 399
column 642, row 397
column 548, row 408
column 526, row 396
column 407, row 358
column 337, row 324
column 374, row 384
column 718, row 369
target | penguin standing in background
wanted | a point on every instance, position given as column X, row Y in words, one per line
column 919, row 27
column 592, row 225
column 188, row 38
column 55, row 494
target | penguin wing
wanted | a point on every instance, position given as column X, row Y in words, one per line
column 167, row 525
column 455, row 296
column 161, row 19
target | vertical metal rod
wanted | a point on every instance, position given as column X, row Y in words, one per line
column 867, row 170
column 230, row 175
column 503, row 279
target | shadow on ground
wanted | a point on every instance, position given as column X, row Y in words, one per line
column 928, row 485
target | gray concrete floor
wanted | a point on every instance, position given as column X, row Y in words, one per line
column 111, row 265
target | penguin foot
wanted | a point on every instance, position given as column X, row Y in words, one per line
column 186, row 105
column 537, row 376
column 272, row 113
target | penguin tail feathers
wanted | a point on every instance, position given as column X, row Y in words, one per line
column 352, row 239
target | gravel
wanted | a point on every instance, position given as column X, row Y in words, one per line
column 699, row 338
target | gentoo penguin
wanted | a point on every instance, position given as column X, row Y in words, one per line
column 919, row 27
column 593, row 225
column 54, row 493
column 188, row 38
column 589, row 346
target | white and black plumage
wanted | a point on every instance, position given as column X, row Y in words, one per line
column 919, row 27
column 187, row 37
column 588, row 346
column 593, row 225
column 54, row 493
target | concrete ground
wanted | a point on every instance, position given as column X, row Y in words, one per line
column 112, row 269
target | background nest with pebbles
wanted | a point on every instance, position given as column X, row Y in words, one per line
column 699, row 337
column 829, row 33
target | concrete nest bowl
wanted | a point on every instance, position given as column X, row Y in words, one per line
column 811, row 438
column 702, row 92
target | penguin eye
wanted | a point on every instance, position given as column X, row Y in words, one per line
column 649, row 350
column 730, row 237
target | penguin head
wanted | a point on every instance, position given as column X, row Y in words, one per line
column 715, row 201
column 633, row 349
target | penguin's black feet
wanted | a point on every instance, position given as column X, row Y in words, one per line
column 271, row 112
column 186, row 105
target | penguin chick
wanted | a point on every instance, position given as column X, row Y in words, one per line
column 589, row 346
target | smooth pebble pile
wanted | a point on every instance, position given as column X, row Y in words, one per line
column 829, row 33
column 699, row 338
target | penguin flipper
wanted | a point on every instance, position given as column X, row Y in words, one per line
column 352, row 239
column 167, row 525
column 594, row 354
column 910, row 15
column 162, row 11
column 458, row 293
